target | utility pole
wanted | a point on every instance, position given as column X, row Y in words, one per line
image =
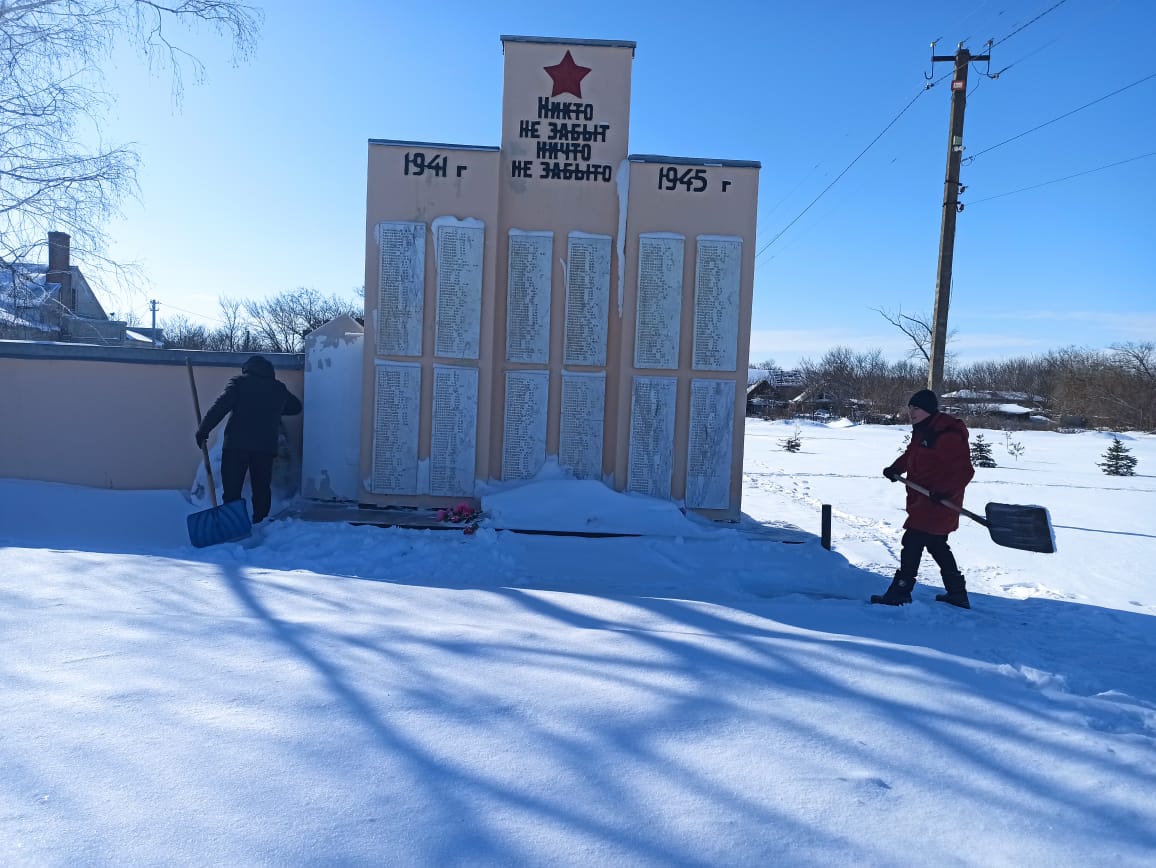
column 951, row 208
column 153, row 305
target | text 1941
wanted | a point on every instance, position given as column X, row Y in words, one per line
column 418, row 163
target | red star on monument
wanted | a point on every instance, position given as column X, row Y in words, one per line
column 567, row 76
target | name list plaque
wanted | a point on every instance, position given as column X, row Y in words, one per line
column 524, row 430
column 458, row 248
column 400, row 288
column 587, row 299
column 528, row 297
column 651, row 461
column 656, row 333
column 583, row 417
column 711, row 437
column 454, row 432
column 717, row 267
column 396, row 417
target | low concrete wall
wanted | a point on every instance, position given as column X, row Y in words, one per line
column 114, row 417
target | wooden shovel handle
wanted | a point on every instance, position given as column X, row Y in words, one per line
column 204, row 446
column 947, row 503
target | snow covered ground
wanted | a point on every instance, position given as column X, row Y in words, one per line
column 697, row 696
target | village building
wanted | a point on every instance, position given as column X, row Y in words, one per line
column 1007, row 405
column 770, row 392
column 55, row 302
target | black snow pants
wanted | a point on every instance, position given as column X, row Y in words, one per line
column 914, row 542
column 235, row 463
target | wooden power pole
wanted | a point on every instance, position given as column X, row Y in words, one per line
column 951, row 207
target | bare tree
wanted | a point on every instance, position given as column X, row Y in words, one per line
column 181, row 333
column 917, row 327
column 1133, row 387
column 1139, row 360
column 861, row 385
column 234, row 326
column 51, row 99
column 280, row 323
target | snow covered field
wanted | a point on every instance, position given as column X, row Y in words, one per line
column 698, row 696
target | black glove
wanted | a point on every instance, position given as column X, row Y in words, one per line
column 202, row 439
column 939, row 495
column 893, row 475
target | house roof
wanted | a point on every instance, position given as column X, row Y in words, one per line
column 991, row 396
column 774, row 376
column 23, row 293
column 1011, row 409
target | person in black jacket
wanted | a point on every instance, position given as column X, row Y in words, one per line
column 256, row 401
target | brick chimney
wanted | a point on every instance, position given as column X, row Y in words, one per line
column 60, row 268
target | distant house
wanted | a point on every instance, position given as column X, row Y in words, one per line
column 816, row 400
column 54, row 302
column 1019, row 406
column 768, row 390
column 141, row 336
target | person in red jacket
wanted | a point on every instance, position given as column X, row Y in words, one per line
column 939, row 459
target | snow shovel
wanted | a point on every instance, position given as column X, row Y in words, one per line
column 226, row 523
column 1028, row 528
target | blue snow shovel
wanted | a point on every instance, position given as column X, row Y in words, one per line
column 226, row 523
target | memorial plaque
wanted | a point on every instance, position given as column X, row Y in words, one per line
column 524, row 431
column 458, row 249
column 709, row 448
column 651, row 461
column 656, row 332
column 400, row 288
column 454, row 433
column 717, row 268
column 528, row 297
column 583, row 416
column 587, row 299
column 396, row 417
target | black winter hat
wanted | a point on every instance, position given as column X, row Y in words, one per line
column 925, row 400
column 258, row 366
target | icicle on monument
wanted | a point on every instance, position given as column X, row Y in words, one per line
column 556, row 298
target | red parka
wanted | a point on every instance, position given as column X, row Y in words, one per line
column 939, row 459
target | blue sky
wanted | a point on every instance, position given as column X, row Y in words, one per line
column 255, row 183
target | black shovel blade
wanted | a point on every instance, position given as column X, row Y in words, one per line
column 220, row 524
column 1028, row 528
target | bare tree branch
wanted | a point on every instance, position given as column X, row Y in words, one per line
column 282, row 321
column 917, row 328
column 52, row 100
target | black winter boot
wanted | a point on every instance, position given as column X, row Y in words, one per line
column 898, row 594
column 956, row 592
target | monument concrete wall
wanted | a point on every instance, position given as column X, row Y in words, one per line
column 556, row 299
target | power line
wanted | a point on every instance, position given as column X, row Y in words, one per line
column 927, row 87
column 991, row 43
column 1104, row 9
column 1065, row 178
column 194, row 313
column 998, row 73
column 1061, row 117
column 1051, row 8
column 799, row 216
